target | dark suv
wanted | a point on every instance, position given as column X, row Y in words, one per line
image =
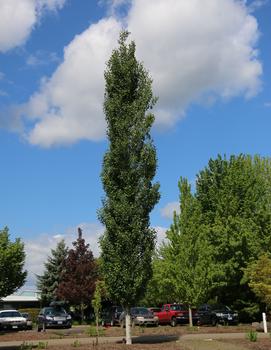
column 218, row 313
column 53, row 317
column 111, row 316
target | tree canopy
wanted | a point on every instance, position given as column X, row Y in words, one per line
column 12, row 259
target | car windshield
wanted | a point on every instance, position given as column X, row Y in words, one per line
column 10, row 314
column 221, row 307
column 54, row 311
column 177, row 307
column 139, row 311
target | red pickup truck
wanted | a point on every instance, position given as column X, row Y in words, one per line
column 176, row 313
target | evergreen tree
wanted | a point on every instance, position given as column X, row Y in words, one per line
column 79, row 275
column 48, row 282
column 128, row 170
column 12, row 259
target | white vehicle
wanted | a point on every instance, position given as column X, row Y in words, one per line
column 12, row 319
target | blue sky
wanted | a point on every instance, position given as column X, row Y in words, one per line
column 210, row 63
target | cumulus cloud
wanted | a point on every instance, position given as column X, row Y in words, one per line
column 68, row 106
column 18, row 18
column 38, row 249
column 168, row 210
column 196, row 51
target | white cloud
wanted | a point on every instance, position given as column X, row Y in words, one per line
column 195, row 50
column 41, row 58
column 38, row 249
column 160, row 235
column 168, row 210
column 69, row 105
column 18, row 18
column 267, row 104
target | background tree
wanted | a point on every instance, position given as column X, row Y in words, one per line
column 48, row 282
column 100, row 292
column 12, row 259
column 234, row 199
column 185, row 268
column 128, row 170
column 258, row 274
column 79, row 275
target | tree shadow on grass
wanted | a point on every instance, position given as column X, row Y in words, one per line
column 152, row 339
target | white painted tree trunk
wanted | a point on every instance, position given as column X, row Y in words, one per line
column 190, row 316
column 128, row 328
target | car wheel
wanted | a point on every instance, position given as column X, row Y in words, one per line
column 173, row 322
column 38, row 329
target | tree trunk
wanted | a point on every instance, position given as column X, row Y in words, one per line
column 190, row 316
column 128, row 327
column 97, row 328
column 82, row 312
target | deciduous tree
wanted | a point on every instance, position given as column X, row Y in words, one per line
column 12, row 259
column 79, row 275
column 128, row 170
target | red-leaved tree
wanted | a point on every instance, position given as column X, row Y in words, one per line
column 79, row 275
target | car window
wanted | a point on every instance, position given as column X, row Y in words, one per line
column 177, row 307
column 10, row 314
column 202, row 308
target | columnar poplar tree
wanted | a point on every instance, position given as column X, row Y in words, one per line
column 48, row 282
column 128, row 170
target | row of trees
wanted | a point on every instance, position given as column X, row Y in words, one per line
column 213, row 245
column 70, row 275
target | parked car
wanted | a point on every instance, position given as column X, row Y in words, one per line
column 111, row 315
column 154, row 310
column 176, row 313
column 53, row 317
column 28, row 319
column 12, row 320
column 218, row 313
column 140, row 316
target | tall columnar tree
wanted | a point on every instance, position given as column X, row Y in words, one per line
column 79, row 275
column 128, row 170
column 48, row 282
column 12, row 259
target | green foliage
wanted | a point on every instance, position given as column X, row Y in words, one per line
column 48, row 283
column 42, row 345
column 26, row 346
column 184, row 270
column 76, row 344
column 92, row 331
column 128, row 170
column 252, row 336
column 33, row 312
column 258, row 273
column 12, row 259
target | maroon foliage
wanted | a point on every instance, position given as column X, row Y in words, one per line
column 79, row 274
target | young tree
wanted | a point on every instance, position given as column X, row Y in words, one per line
column 186, row 258
column 258, row 274
column 128, row 170
column 79, row 275
column 48, row 282
column 12, row 259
